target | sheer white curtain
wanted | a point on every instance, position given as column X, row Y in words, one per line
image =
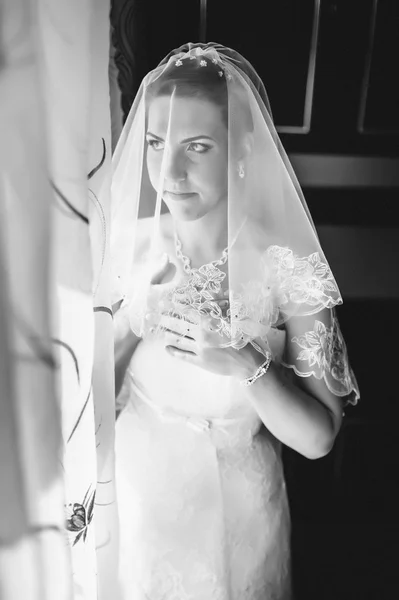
column 56, row 351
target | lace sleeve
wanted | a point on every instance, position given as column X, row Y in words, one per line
column 319, row 350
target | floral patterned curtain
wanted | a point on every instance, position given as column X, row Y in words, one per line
column 56, row 354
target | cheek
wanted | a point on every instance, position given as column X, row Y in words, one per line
column 217, row 174
column 209, row 175
column 154, row 162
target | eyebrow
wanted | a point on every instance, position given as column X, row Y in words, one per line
column 185, row 141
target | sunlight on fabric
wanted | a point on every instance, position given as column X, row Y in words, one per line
column 56, row 367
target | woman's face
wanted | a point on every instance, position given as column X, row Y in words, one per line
column 195, row 168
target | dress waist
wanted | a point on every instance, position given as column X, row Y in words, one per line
column 195, row 422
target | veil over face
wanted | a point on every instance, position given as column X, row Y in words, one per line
column 276, row 268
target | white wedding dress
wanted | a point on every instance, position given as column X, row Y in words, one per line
column 202, row 500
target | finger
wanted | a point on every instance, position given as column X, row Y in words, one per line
column 178, row 341
column 211, row 326
column 182, row 316
column 178, row 326
column 161, row 329
column 208, row 323
column 213, row 336
column 157, row 323
column 181, row 354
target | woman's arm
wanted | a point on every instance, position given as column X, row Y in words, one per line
column 125, row 343
column 302, row 412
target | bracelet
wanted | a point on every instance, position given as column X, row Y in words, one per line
column 262, row 370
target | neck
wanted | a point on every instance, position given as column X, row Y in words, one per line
column 205, row 239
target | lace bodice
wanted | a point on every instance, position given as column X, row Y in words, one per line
column 289, row 285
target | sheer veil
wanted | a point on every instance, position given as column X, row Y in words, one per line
column 276, row 268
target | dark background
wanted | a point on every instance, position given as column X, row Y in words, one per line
column 330, row 69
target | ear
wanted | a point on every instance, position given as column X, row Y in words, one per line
column 246, row 146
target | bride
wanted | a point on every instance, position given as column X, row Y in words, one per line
column 226, row 341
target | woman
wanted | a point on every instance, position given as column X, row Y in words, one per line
column 226, row 339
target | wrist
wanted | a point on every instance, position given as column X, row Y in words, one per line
column 258, row 365
column 254, row 359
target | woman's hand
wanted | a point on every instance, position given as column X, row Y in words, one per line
column 203, row 346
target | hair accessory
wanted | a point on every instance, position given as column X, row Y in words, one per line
column 220, row 73
column 215, row 61
column 203, row 63
column 179, row 63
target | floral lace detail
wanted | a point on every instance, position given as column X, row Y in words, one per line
column 202, row 295
column 301, row 280
column 324, row 350
column 287, row 285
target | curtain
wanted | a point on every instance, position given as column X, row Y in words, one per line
column 57, row 504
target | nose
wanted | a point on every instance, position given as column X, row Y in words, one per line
column 175, row 166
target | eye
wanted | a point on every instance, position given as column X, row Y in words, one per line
column 198, row 148
column 155, row 144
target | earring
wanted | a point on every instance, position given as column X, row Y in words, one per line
column 241, row 172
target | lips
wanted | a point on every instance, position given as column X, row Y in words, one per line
column 179, row 195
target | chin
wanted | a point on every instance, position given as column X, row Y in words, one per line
column 189, row 213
